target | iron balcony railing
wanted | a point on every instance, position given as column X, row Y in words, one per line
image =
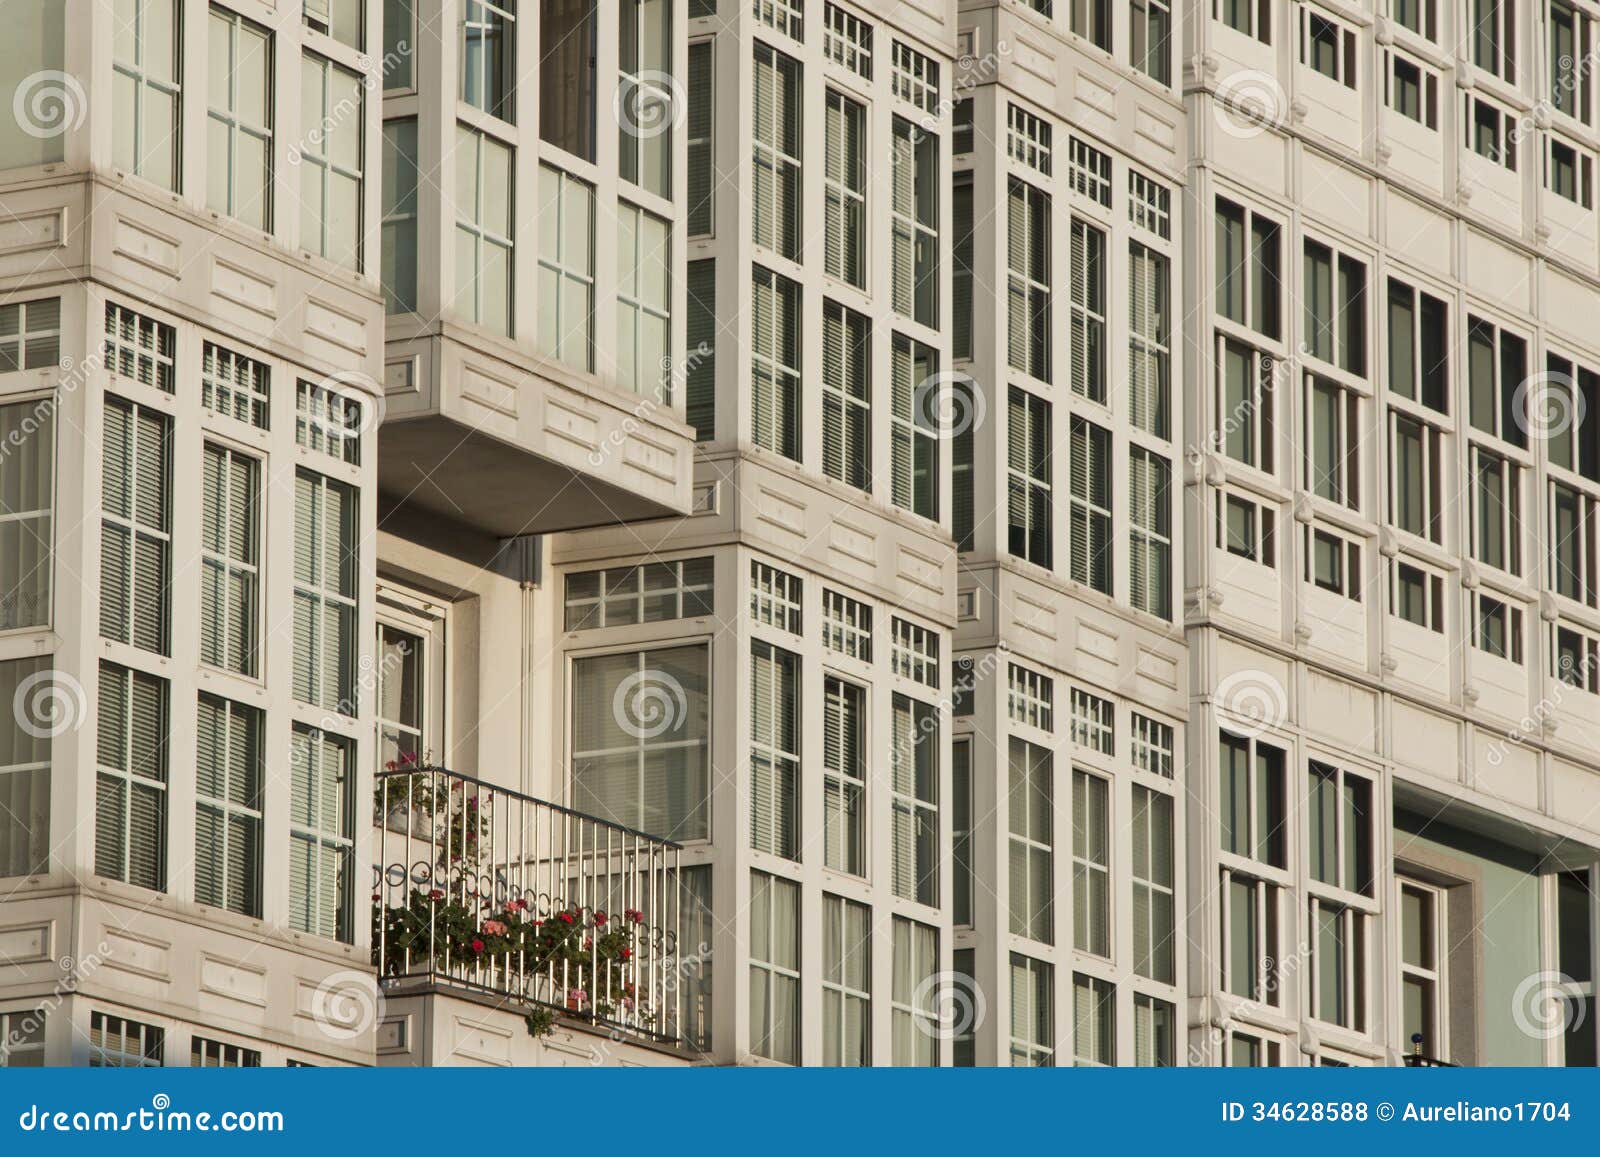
column 495, row 891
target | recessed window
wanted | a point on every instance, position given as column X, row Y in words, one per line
column 1248, row 266
column 1417, row 596
column 1089, row 504
column 1498, row 628
column 1416, row 476
column 1028, row 478
column 1412, row 89
column 775, row 364
column 1028, row 330
column 914, row 222
column 1490, row 131
column 1333, row 562
column 566, row 268
column 1031, row 852
column 845, row 190
column 1327, row 47
column 914, row 800
column 1247, row 528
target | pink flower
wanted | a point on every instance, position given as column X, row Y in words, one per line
column 566, row 917
column 494, row 928
column 577, row 995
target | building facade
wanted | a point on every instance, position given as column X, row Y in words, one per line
column 844, row 533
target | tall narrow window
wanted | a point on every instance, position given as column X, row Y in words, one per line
column 1422, row 969
column 230, row 530
column 130, row 815
column 1245, row 404
column 227, row 835
column 566, row 268
column 1028, row 279
column 1091, row 864
column 1496, row 510
column 845, row 189
column 1155, row 1031
column 1497, row 370
column 1033, row 1030
column 24, row 770
column 326, row 570
column 567, row 75
column 646, row 92
column 1090, row 504
column 913, row 428
column 1152, row 29
column 146, row 53
column 775, row 364
column 701, row 125
column 916, row 996
column 1494, row 37
column 483, row 230
column 1571, row 43
column 914, row 796
column 488, row 46
column 700, row 358
column 963, row 514
column 961, row 304
column 846, row 396
column 1333, row 440
column 1088, row 310
column 1150, row 532
column 644, row 303
column 1094, row 1020
column 914, row 213
column 1030, row 796
column 775, row 164
column 1149, row 340
column 1028, row 481
column 136, row 526
column 1091, row 19
column 846, row 982
column 1154, row 907
column 774, row 750
column 1252, row 801
column 844, row 776
column 333, row 130
column 774, row 968
column 27, row 518
column 239, row 120
column 961, row 830
column 399, row 272
column 1248, row 260
column 1336, row 308
column 402, row 698
column 321, row 833
column 1416, row 476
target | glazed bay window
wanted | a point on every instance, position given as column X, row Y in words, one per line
column 227, row 824
column 1028, row 475
column 1094, row 1020
column 567, row 75
column 1033, row 1032
column 1154, row 887
column 846, row 625
column 1574, row 533
column 1253, row 18
column 343, row 20
column 1089, row 171
column 646, row 93
column 1327, row 47
column 1030, row 697
column 1497, row 365
column 1341, row 821
column 488, row 44
column 1247, row 528
column 136, row 526
column 644, row 303
column 776, row 597
column 1152, row 30
column 1419, row 16
column 1497, row 628
column 1575, row 658
column 398, row 273
column 1155, row 1031
column 915, row 652
column 1570, row 36
column 1411, row 89
column 483, row 230
column 1493, row 31
column 914, row 800
column 913, row 428
column 1338, row 963
column 844, row 776
column 1250, row 923
column 1419, row 347
column 1091, row 864
column 566, row 268
column 847, row 40
column 1416, row 476
column 915, row 1000
column 1569, row 171
column 1028, row 327
column 1333, row 562
column 846, row 982
column 1091, row 19
column 1496, row 510
column 24, row 774
column 846, row 396
column 30, row 334
column 139, row 348
column 333, row 127
column 1416, row 596
column 845, row 189
column 1149, row 532
column 321, row 833
column 146, row 54
column 130, row 813
column 1088, row 305
column 1089, row 504
column 1149, row 340
column 631, row 766
column 1150, row 746
column 1491, row 131
column 236, row 386
column 1093, row 721
column 775, row 161
column 1245, row 405
column 914, row 222
column 1028, row 139
column 914, row 77
column 1249, row 265
column 775, row 364
column 1149, row 205
column 27, row 516
column 1333, row 441
column 652, row 593
column 1252, row 801
column 326, row 570
column 774, row 750
column 239, row 120
column 1336, row 308
column 230, row 559
column 1030, row 850
column 774, row 968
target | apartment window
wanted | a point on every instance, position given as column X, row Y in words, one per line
column 1149, row 532
column 915, row 1000
column 1569, row 171
column 916, row 652
column 1574, row 919
column 963, row 514
column 117, row 1043
column 1248, row 268
column 646, row 91
column 214, row 1054
column 24, row 770
column 701, row 124
column 1089, row 171
column 787, row 16
column 30, row 335
column 239, row 120
column 328, row 420
column 1253, row 18
column 1028, row 441
column 1574, row 389
column 230, row 532
column 1498, row 628
column 1149, row 340
column 1091, row 864
column 331, row 161
column 1336, row 308
column 1028, row 279
column 146, row 55
column 1150, row 746
column 846, row 625
column 1496, row 510
column 1091, row 19
column 1571, row 42
column 1490, row 131
column 700, row 365
column 566, row 268
column 135, row 525
column 774, row 968
column 846, row 396
column 399, row 43
column 1333, row 435
column 774, row 750
column 1252, row 807
column 343, row 20
column 22, row 1039
column 1494, row 30
column 326, row 571
column 1573, row 537
column 1149, row 204
column 914, row 223
column 913, row 427
column 228, row 769
column 1033, row 1033
column 1338, row 964
column 1417, row 596
column 961, row 815
column 1247, row 528
column 1327, row 47
column 130, row 831
column 1094, row 1020
column 404, row 697
column 1155, row 1031
column 961, row 305
column 914, row 800
column 775, row 597
column 1089, row 504
column 1031, row 697
column 650, row 593
column 1028, row 139
column 1497, row 365
column 1250, row 923
column 844, row 772
column 1416, row 476
column 1031, row 854
column 847, row 40
column 1422, row 971
column 963, row 682
column 27, row 516
column 398, row 275
column 644, row 303
column 139, row 348
column 845, row 189
column 483, row 230
column 775, row 172
column 846, row 982
column 321, row 833
column 567, row 75
column 236, row 386
column 1152, row 28
column 1154, row 887
column 1575, row 658
column 1088, row 305
column 1419, row 347
column 1419, row 16
column 1333, row 562
column 1093, row 722
column 915, row 77
column 1411, row 89
column 633, row 762
column 1340, row 809
column 775, row 364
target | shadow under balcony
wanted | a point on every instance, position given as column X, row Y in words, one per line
column 526, row 907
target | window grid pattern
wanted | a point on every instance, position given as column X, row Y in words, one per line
column 140, row 348
column 235, row 386
column 650, row 593
column 1093, row 722
column 1089, row 171
column 118, row 1043
column 1032, row 698
column 1150, row 745
column 916, row 652
column 30, row 334
column 1149, row 205
column 1028, row 139
column 916, row 77
column 776, row 597
column 846, row 625
column 847, row 40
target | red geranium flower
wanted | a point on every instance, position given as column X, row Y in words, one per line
column 477, row 945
